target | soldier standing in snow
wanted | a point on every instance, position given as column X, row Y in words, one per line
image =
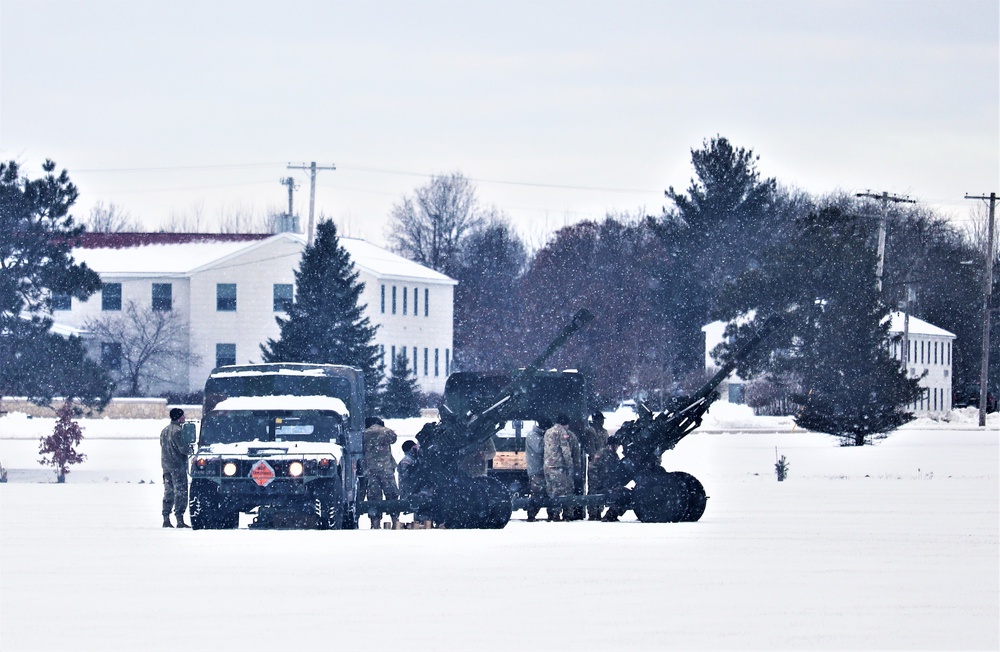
column 595, row 440
column 173, row 460
column 476, row 463
column 534, row 455
column 381, row 468
column 601, row 474
column 559, row 462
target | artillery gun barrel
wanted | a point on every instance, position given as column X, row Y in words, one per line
column 504, row 401
column 771, row 324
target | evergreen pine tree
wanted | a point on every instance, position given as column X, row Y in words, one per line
column 837, row 339
column 37, row 253
column 326, row 323
column 400, row 399
column 62, row 443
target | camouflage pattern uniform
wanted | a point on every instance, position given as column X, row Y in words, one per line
column 595, row 441
column 560, row 443
column 381, row 468
column 403, row 470
column 600, row 476
column 534, row 455
column 173, row 460
column 476, row 463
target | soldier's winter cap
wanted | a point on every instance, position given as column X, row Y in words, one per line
column 371, row 421
column 597, row 416
column 176, row 413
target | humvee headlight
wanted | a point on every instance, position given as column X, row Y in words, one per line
column 324, row 463
column 201, row 462
column 295, row 469
column 229, row 469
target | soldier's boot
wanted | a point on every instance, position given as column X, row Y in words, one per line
column 395, row 522
column 181, row 523
column 376, row 524
column 166, row 521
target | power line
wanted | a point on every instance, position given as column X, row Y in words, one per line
column 233, row 166
column 313, row 169
column 885, row 198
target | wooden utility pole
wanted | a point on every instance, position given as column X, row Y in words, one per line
column 984, row 372
column 312, row 167
column 885, row 198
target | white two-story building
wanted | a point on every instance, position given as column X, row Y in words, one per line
column 227, row 289
column 929, row 360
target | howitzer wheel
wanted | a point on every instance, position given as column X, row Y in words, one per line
column 659, row 497
column 696, row 498
column 473, row 503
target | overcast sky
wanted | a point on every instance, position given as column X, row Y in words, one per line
column 560, row 111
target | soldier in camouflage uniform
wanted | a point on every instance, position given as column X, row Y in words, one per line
column 476, row 463
column 173, row 460
column 601, row 474
column 534, row 454
column 561, row 451
column 381, row 468
column 595, row 440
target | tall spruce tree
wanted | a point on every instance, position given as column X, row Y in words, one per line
column 36, row 261
column 326, row 322
column 401, row 398
column 837, row 338
column 712, row 234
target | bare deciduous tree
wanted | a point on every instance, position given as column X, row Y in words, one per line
column 153, row 342
column 189, row 221
column 429, row 227
column 111, row 218
column 976, row 230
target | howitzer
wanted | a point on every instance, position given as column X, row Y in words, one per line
column 659, row 496
column 446, row 493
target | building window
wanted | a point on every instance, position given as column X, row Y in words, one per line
column 427, row 294
column 416, row 295
column 111, row 355
column 225, row 297
column 406, row 296
column 62, row 302
column 921, row 352
column 381, row 350
column 392, row 360
column 435, row 362
column 426, row 359
column 415, row 361
column 163, row 297
column 949, row 352
column 284, row 295
column 394, row 301
column 225, row 354
column 383, row 299
column 111, row 296
column 447, row 362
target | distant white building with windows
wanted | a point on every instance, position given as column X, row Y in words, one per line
column 929, row 359
column 228, row 289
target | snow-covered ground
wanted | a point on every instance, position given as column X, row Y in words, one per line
column 891, row 546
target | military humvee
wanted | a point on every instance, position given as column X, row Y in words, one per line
column 283, row 439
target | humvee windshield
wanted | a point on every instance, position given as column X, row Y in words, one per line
column 231, row 426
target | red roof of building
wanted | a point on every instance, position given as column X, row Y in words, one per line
column 126, row 240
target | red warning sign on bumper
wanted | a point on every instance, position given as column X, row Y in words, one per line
column 262, row 473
